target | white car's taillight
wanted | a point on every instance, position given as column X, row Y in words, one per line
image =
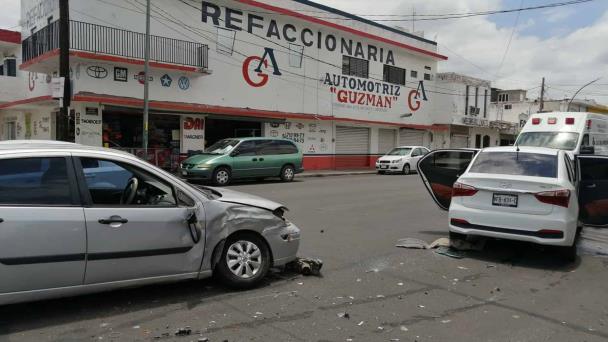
column 463, row 190
column 557, row 197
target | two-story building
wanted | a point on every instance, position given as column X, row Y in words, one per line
column 464, row 105
column 344, row 88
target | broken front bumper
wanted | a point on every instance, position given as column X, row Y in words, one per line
column 284, row 243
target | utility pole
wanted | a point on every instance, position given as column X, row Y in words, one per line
column 413, row 19
column 64, row 57
column 542, row 96
column 146, row 81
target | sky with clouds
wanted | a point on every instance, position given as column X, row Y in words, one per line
column 567, row 45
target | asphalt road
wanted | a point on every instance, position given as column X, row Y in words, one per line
column 507, row 292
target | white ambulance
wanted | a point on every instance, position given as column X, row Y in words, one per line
column 577, row 133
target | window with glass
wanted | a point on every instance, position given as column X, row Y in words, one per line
column 112, row 183
column 516, row 163
column 352, row 66
column 557, row 140
column 394, row 75
column 35, row 181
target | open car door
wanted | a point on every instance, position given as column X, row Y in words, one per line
column 593, row 189
column 439, row 171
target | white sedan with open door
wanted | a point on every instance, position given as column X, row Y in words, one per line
column 526, row 194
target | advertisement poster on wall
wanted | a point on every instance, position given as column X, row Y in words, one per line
column 193, row 133
column 312, row 137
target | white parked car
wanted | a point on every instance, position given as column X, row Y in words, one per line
column 520, row 193
column 403, row 159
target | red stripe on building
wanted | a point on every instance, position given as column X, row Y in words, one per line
column 340, row 27
column 234, row 111
column 337, row 162
column 10, row 36
column 25, row 101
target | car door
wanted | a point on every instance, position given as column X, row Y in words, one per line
column 439, row 171
column 42, row 228
column 593, row 190
column 270, row 159
column 245, row 160
column 147, row 236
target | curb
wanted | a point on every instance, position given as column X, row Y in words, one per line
column 334, row 174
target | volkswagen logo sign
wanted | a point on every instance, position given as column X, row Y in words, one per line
column 97, row 71
column 184, row 83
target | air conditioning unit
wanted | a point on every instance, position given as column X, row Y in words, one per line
column 473, row 111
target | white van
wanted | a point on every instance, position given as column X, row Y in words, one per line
column 577, row 133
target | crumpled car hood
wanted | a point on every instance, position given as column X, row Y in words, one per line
column 231, row 196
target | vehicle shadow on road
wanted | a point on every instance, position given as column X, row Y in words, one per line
column 18, row 318
column 523, row 254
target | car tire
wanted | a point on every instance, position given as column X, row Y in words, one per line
column 244, row 262
column 288, row 173
column 222, row 176
column 406, row 169
column 381, row 172
column 567, row 253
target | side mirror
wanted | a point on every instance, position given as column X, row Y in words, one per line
column 587, row 150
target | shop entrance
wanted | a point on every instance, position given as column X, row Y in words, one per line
column 218, row 129
column 124, row 131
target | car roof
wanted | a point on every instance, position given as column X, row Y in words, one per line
column 410, row 147
column 522, row 149
column 13, row 146
column 257, row 138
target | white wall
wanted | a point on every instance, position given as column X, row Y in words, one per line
column 33, row 124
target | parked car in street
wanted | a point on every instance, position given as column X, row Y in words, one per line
column 532, row 194
column 240, row 158
column 66, row 209
column 403, row 159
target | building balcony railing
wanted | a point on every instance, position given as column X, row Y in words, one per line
column 116, row 42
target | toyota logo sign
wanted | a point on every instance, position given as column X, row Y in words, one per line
column 97, row 71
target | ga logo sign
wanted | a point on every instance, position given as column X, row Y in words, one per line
column 258, row 77
column 413, row 99
column 194, row 123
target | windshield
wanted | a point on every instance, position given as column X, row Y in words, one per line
column 516, row 163
column 399, row 152
column 558, row 140
column 222, row 146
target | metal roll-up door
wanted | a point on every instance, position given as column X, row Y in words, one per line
column 459, row 141
column 352, row 140
column 411, row 137
column 386, row 140
column 352, row 147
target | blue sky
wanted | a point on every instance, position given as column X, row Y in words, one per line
column 545, row 23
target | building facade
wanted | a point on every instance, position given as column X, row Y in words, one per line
column 344, row 88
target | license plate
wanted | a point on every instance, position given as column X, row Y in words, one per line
column 184, row 173
column 384, row 166
column 503, row 200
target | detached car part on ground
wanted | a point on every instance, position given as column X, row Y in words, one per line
column 67, row 208
column 528, row 194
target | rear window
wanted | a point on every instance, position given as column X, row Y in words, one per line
column 517, row 164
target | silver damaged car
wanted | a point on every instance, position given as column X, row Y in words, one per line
column 77, row 219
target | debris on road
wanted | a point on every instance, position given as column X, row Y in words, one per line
column 183, row 331
column 344, row 315
column 447, row 251
column 361, row 323
column 445, row 242
column 412, row 243
column 306, row 266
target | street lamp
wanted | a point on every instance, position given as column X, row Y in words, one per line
column 578, row 91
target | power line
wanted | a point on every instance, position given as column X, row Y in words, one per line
column 431, row 17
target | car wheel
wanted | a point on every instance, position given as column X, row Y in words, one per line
column 222, row 176
column 381, row 172
column 567, row 253
column 244, row 262
column 288, row 173
column 406, row 169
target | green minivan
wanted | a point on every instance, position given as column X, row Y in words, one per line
column 238, row 158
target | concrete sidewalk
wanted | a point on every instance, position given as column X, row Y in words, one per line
column 331, row 173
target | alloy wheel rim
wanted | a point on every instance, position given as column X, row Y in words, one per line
column 406, row 169
column 244, row 259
